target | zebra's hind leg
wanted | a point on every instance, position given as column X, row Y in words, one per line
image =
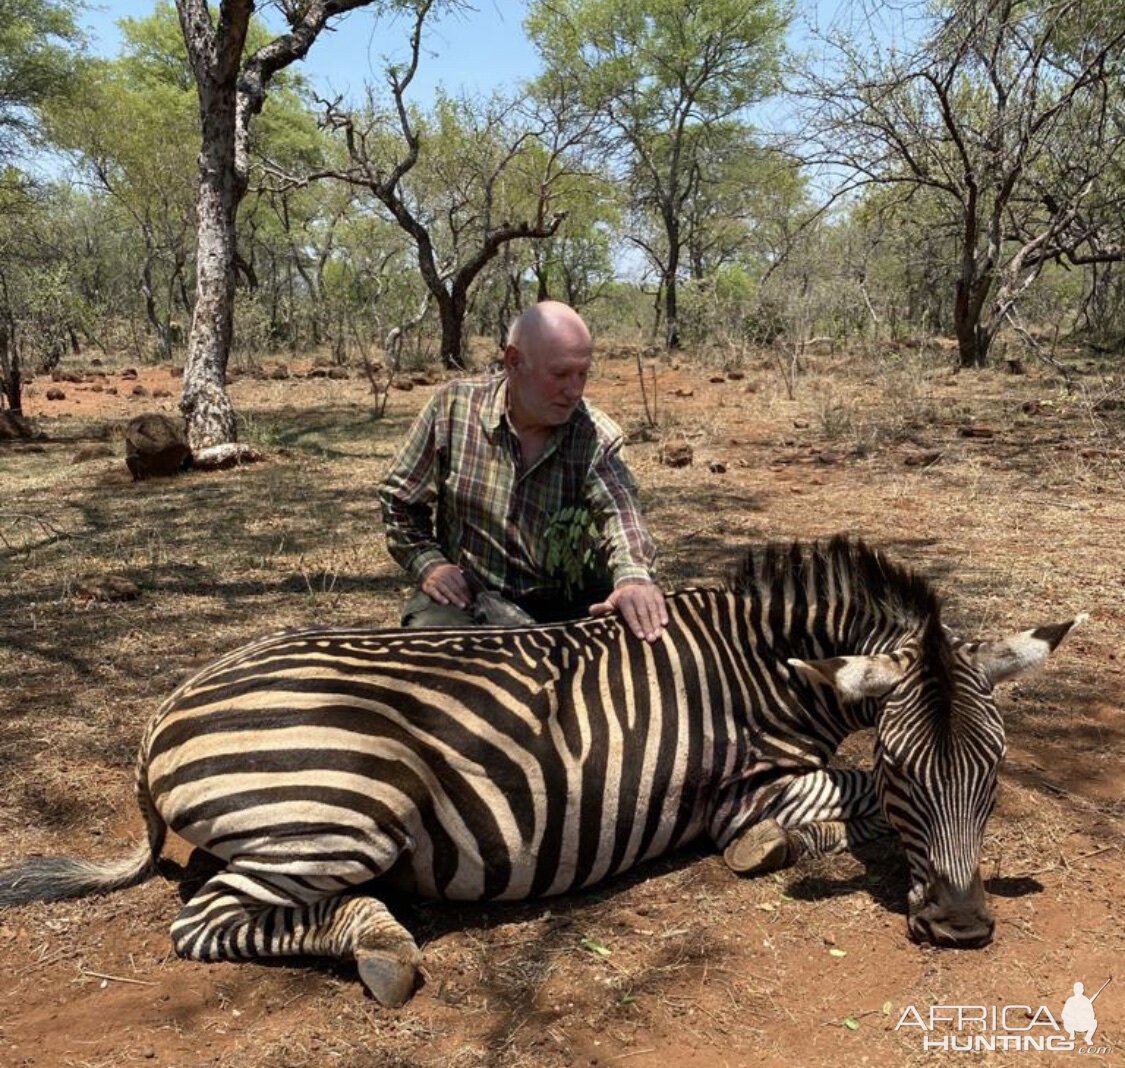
column 239, row 916
column 817, row 814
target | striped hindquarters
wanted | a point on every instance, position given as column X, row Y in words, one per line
column 490, row 763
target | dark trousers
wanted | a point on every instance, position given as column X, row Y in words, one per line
column 490, row 609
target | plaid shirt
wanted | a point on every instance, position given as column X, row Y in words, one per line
column 463, row 456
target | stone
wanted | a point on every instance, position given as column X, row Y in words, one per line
column 55, row 394
column 91, row 452
column 13, row 426
column 139, row 391
column 339, row 373
column 676, row 453
column 129, row 372
column 108, row 588
column 279, row 373
column 156, row 446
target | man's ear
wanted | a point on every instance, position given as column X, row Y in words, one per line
column 512, row 357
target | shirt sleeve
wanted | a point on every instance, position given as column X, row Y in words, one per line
column 408, row 495
column 611, row 494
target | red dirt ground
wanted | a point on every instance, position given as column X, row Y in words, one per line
column 810, row 966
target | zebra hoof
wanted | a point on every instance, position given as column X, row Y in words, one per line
column 762, row 847
column 389, row 975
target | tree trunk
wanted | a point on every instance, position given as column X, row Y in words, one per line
column 205, row 405
column 671, row 317
column 10, row 368
column 451, row 308
column 973, row 339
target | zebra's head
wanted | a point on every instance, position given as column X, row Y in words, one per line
column 939, row 742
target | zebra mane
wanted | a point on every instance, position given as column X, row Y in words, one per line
column 881, row 587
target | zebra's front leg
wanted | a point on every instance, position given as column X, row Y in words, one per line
column 815, row 815
column 238, row 916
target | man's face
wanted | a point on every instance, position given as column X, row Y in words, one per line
column 546, row 384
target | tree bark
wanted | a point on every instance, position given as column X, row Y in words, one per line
column 230, row 95
column 205, row 403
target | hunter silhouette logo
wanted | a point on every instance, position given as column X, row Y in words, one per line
column 1078, row 1012
column 1011, row 1028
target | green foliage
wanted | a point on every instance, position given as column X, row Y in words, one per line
column 38, row 42
column 574, row 551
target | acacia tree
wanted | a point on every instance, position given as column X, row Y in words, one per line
column 38, row 41
column 130, row 122
column 1006, row 122
column 665, row 77
column 454, row 182
column 232, row 90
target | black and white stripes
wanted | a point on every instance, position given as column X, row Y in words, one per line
column 506, row 764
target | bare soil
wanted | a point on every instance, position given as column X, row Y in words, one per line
column 1009, row 491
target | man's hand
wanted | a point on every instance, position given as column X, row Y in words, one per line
column 640, row 604
column 446, row 584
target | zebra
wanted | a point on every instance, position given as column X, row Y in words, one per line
column 510, row 763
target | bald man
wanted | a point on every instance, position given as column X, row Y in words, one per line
column 489, row 463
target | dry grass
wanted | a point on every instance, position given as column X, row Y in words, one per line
column 1016, row 529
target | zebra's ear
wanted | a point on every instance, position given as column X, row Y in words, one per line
column 855, row 677
column 1011, row 656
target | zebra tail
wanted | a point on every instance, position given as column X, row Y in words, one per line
column 58, row 878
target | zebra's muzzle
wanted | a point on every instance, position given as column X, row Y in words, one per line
column 953, row 918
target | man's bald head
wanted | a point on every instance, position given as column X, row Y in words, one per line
column 547, row 361
column 550, row 325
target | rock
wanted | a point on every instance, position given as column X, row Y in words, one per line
column 717, row 467
column 339, row 373
column 640, row 434
column 108, row 588
column 13, row 426
column 280, row 373
column 831, row 456
column 1107, row 404
column 139, row 391
column 91, row 452
column 1015, row 367
column 801, row 424
column 220, row 457
column 96, row 362
column 684, row 391
column 405, row 385
column 55, row 394
column 736, row 376
column 922, row 459
column 160, row 393
column 129, row 373
column 111, row 389
column 156, row 446
column 717, row 378
column 176, row 372
column 97, row 387
column 676, row 453
column 976, row 432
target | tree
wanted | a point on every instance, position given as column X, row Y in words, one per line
column 463, row 182
column 130, row 122
column 1006, row 118
column 38, row 54
column 231, row 91
column 38, row 41
column 666, row 78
